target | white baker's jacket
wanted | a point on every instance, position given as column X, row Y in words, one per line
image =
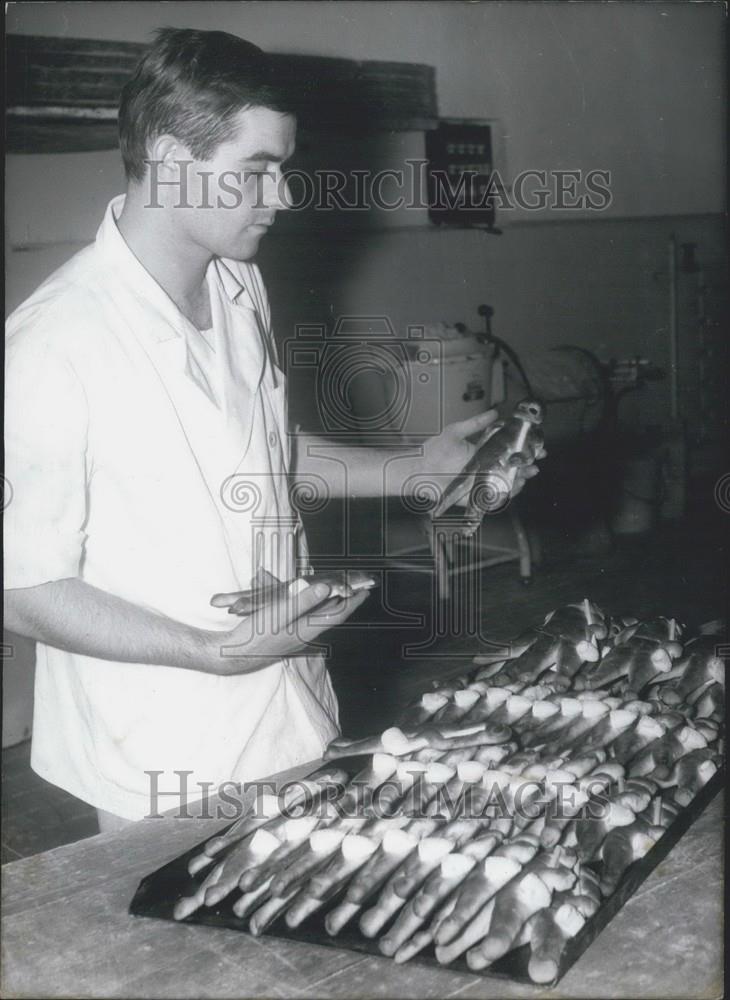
column 158, row 475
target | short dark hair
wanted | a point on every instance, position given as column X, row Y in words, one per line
column 192, row 84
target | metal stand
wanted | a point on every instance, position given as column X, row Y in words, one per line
column 449, row 555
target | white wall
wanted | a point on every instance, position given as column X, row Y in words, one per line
column 635, row 88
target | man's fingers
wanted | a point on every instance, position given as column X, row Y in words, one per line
column 226, row 600
column 303, row 601
column 243, row 606
column 526, row 471
column 523, row 475
column 290, row 624
column 275, row 608
column 338, row 614
column 308, row 619
column 472, row 425
column 266, row 584
column 277, row 616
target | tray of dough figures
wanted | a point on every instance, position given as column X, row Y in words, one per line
column 499, row 826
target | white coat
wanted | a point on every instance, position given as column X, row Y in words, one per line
column 163, row 480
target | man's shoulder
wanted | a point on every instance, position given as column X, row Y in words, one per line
column 63, row 306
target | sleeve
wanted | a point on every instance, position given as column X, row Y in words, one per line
column 46, row 424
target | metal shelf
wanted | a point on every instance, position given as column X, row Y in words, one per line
column 62, row 93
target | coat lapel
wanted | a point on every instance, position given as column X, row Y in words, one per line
column 225, row 427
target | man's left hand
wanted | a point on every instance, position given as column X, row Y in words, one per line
column 446, row 454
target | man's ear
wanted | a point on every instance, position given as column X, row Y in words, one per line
column 168, row 153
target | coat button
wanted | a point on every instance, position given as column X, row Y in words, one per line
column 273, row 439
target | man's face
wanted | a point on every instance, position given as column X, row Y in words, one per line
column 235, row 195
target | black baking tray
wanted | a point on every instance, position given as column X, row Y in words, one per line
column 157, row 894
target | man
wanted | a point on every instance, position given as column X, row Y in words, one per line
column 141, row 380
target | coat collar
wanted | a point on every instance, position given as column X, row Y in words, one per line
column 221, row 274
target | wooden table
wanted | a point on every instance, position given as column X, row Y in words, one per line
column 67, row 933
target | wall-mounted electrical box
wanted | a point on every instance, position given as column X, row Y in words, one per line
column 460, row 157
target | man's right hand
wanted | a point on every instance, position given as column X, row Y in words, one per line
column 284, row 627
column 73, row 615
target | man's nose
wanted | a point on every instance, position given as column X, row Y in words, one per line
column 276, row 196
column 281, row 194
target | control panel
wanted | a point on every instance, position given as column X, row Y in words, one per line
column 460, row 166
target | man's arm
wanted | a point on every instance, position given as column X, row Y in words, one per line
column 350, row 471
column 356, row 472
column 72, row 615
column 48, row 461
